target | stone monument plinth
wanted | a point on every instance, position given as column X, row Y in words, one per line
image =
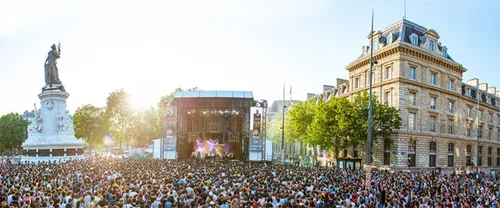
column 51, row 136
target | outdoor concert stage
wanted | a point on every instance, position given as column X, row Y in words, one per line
column 209, row 124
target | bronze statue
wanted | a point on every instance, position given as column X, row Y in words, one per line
column 51, row 71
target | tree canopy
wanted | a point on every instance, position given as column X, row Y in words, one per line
column 338, row 123
column 13, row 131
column 90, row 124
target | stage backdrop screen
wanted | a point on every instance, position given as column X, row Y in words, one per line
column 255, row 143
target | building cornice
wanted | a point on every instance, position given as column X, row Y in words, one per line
column 425, row 86
column 408, row 49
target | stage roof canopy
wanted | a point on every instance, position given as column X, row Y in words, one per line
column 214, row 94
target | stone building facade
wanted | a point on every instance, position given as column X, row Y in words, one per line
column 439, row 111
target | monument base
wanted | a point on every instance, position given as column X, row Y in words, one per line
column 28, row 159
column 51, row 135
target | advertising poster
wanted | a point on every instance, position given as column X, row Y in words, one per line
column 255, row 144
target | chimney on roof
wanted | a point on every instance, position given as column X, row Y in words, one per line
column 310, row 95
column 327, row 87
column 483, row 86
column 473, row 82
column 492, row 90
column 340, row 81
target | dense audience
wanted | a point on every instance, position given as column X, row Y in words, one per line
column 100, row 182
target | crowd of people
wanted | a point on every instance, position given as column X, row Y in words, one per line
column 104, row 182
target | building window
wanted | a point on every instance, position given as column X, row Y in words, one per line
column 498, row 156
column 355, row 152
column 480, row 131
column 344, row 153
column 431, row 45
column 433, row 103
column 433, row 78
column 467, row 92
column 490, row 118
column 451, row 84
column 469, row 129
column 388, row 98
column 389, row 39
column 451, row 126
column 432, row 154
column 412, row 73
column 412, row 121
column 490, row 150
column 480, row 115
column 480, row 156
column 412, row 147
column 373, row 77
column 468, row 111
column 413, row 98
column 451, row 154
column 388, row 72
column 490, row 132
column 451, row 106
column 498, row 136
column 433, row 124
column 414, row 39
column 357, row 83
column 444, row 53
column 468, row 155
column 387, row 153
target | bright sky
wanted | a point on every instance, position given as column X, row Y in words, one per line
column 151, row 47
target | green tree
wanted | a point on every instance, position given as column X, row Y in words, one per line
column 146, row 127
column 119, row 115
column 332, row 124
column 13, row 131
column 298, row 120
column 90, row 124
column 385, row 120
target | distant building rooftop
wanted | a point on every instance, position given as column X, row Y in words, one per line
column 214, row 94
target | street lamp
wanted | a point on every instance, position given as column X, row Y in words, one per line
column 369, row 139
column 283, row 135
column 263, row 104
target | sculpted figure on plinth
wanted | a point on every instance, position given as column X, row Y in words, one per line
column 36, row 123
column 51, row 71
column 65, row 123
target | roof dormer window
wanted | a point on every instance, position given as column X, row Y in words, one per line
column 414, row 39
column 468, row 92
column 443, row 51
column 389, row 39
column 431, row 45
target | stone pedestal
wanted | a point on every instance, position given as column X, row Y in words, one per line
column 51, row 136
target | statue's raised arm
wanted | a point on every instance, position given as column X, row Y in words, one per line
column 51, row 70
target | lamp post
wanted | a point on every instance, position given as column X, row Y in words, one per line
column 478, row 95
column 283, row 130
column 369, row 139
column 263, row 104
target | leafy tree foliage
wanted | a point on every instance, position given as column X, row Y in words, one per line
column 298, row 119
column 13, row 131
column 119, row 114
column 146, row 127
column 90, row 124
column 338, row 123
column 384, row 120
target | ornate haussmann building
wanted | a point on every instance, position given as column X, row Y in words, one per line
column 441, row 115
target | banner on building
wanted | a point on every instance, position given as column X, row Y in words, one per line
column 255, row 142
